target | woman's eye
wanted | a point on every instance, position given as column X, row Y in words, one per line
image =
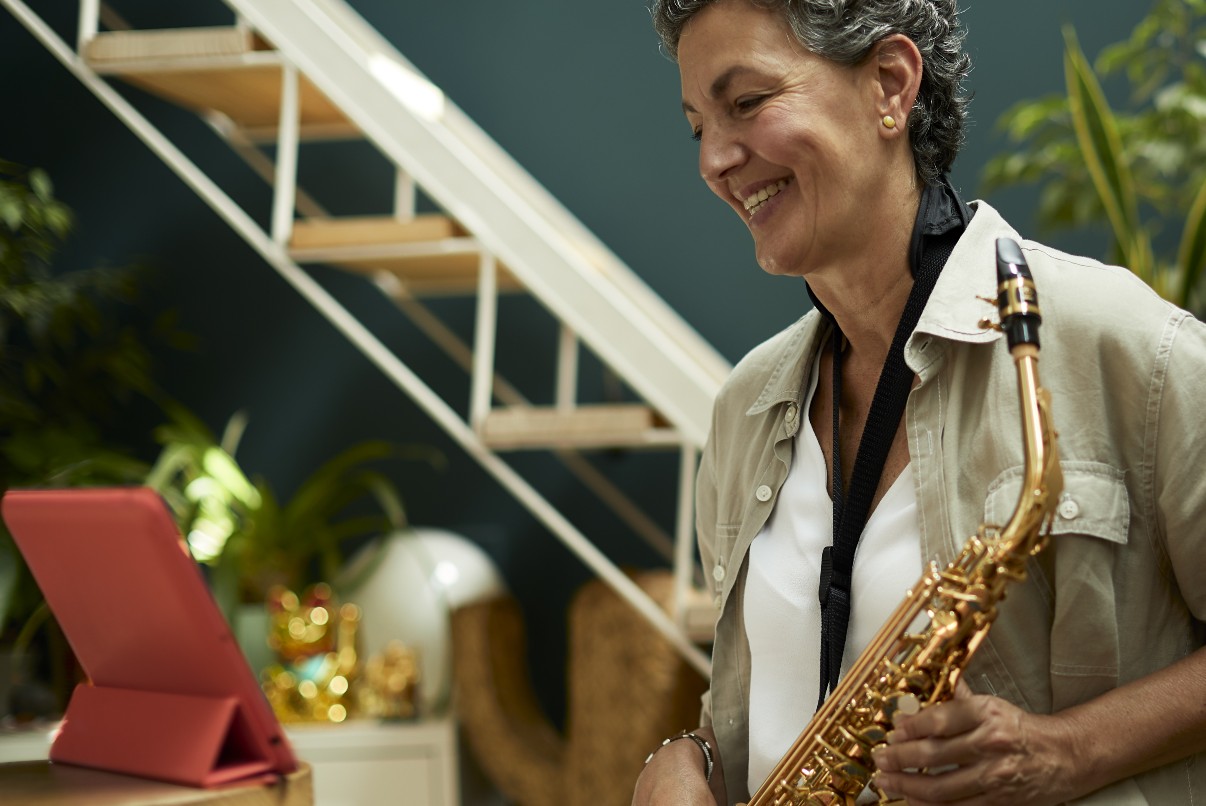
column 746, row 103
column 697, row 135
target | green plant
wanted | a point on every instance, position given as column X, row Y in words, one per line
column 69, row 366
column 249, row 538
column 1141, row 171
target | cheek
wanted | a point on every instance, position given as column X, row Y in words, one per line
column 784, row 133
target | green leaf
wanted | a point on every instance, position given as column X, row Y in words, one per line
column 232, row 435
column 314, row 497
column 1101, row 147
column 1026, row 118
column 58, row 219
column 171, row 461
column 11, row 213
column 40, row 183
column 1192, row 255
column 226, row 471
column 9, row 566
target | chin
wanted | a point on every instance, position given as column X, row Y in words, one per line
column 779, row 267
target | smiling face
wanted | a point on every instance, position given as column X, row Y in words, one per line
column 788, row 139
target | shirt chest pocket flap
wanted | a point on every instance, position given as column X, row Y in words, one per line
column 1090, row 529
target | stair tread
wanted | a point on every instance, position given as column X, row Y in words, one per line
column 585, row 426
column 164, row 43
column 430, row 254
column 327, row 233
column 226, row 70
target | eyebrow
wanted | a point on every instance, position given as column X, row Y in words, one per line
column 721, row 84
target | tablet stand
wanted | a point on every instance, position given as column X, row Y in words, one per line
column 184, row 739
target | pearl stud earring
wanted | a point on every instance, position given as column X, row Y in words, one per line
column 889, row 122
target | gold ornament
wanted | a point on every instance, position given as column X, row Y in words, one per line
column 389, row 688
column 315, row 641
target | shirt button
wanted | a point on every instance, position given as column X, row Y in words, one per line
column 1068, row 508
column 791, row 413
column 763, row 493
column 718, row 573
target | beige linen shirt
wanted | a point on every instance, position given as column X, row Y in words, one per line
column 1121, row 590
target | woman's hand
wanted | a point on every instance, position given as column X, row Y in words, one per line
column 675, row 775
column 977, row 750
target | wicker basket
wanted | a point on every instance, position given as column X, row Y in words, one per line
column 627, row 689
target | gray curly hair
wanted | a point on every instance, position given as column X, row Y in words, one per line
column 844, row 31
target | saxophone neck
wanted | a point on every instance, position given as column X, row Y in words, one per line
column 1042, row 480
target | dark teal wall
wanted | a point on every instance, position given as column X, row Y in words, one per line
column 580, row 95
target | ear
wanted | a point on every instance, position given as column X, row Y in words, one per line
column 898, row 65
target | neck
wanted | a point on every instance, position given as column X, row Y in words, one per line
column 866, row 295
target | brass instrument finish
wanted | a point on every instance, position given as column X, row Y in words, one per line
column 906, row 668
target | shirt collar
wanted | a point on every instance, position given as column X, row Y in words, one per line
column 957, row 304
column 793, row 359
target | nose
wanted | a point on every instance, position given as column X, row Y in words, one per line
column 719, row 153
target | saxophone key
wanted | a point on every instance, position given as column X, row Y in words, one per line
column 861, row 741
column 873, row 736
column 901, row 704
column 824, row 799
column 850, row 778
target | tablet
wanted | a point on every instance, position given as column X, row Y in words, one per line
column 169, row 694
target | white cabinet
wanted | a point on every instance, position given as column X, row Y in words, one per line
column 25, row 745
column 370, row 763
column 354, row 764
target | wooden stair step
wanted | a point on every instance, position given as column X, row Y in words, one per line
column 430, row 254
column 586, row 426
column 227, row 70
column 167, row 43
column 326, row 233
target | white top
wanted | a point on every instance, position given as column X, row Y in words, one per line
column 782, row 614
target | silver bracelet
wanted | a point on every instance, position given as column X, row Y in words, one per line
column 703, row 745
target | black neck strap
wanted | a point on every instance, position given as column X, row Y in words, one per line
column 941, row 220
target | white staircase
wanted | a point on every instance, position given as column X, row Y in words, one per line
column 293, row 70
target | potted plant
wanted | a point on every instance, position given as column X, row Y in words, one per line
column 1140, row 171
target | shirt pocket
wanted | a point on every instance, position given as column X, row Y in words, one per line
column 1090, row 529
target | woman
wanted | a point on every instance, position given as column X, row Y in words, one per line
column 828, row 126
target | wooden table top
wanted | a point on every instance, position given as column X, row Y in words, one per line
column 41, row 782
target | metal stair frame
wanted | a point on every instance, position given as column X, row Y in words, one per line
column 512, row 216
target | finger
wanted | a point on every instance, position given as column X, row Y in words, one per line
column 963, row 690
column 962, row 786
column 928, row 753
column 949, row 718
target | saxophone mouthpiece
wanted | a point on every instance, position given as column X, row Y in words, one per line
column 1017, row 300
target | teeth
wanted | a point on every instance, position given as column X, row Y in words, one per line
column 756, row 200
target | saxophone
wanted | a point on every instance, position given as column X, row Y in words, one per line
column 905, row 669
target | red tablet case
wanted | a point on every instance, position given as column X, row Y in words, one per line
column 170, row 695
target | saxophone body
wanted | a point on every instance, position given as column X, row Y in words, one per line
column 918, row 656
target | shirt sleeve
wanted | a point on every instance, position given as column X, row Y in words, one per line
column 1180, row 448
